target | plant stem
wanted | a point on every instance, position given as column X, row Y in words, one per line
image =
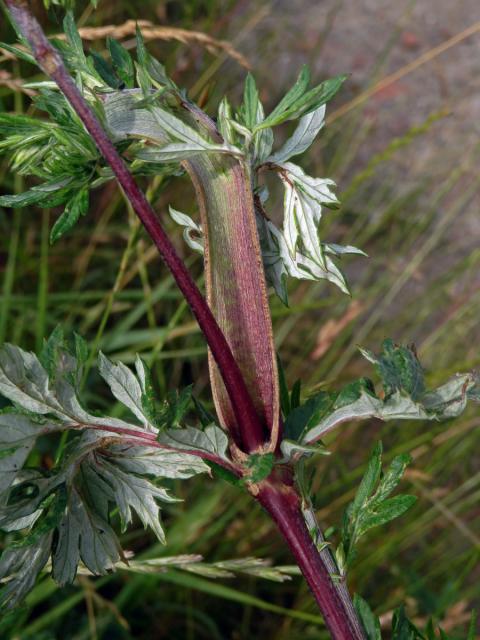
column 283, row 505
column 251, row 436
column 276, row 494
column 235, row 281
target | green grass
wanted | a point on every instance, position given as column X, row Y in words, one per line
column 105, row 281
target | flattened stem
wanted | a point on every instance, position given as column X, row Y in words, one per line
column 252, row 435
column 236, row 288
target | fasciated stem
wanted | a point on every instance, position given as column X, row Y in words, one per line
column 235, row 285
column 251, row 435
column 282, row 503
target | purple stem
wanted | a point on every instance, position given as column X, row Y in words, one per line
column 282, row 504
column 250, row 436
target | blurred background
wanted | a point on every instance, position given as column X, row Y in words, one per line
column 402, row 143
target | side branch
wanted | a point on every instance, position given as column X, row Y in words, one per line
column 251, row 434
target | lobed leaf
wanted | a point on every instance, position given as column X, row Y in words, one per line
column 109, row 462
column 371, row 506
column 399, row 369
column 405, row 395
column 76, row 207
column 297, row 250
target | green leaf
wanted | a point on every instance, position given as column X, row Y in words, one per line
column 402, row 628
column 157, row 463
column 51, row 350
column 81, row 349
column 149, row 70
column 292, row 451
column 108, row 463
column 369, row 620
column 271, row 242
column 19, row 53
column 301, row 418
column 292, row 96
column 73, row 37
column 388, row 510
column 369, row 481
column 21, row 566
column 303, row 199
column 176, row 152
column 303, row 102
column 148, row 398
column 26, row 199
column 250, row 105
column 260, row 466
column 402, row 375
column 83, row 534
column 179, row 130
column 25, row 382
column 371, row 506
column 52, row 508
column 392, row 477
column 251, row 114
column 224, row 474
column 450, row 399
column 211, row 440
column 297, row 250
column 206, row 417
column 295, row 394
column 303, row 136
column 125, row 387
column 105, row 70
column 129, row 491
column 18, row 434
column 142, row 53
column 175, row 139
column 399, row 369
column 76, row 207
column 122, row 62
column 224, row 121
column 176, row 407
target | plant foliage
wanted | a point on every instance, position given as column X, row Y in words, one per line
column 63, row 512
column 145, row 113
column 62, row 517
